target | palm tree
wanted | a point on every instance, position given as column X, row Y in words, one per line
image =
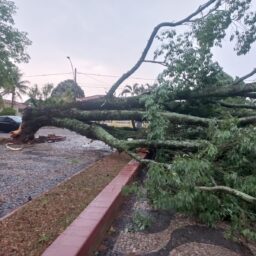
column 18, row 87
column 35, row 93
column 133, row 90
column 137, row 89
column 46, row 90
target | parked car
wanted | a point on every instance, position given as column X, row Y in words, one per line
column 9, row 123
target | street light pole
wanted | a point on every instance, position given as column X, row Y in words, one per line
column 73, row 71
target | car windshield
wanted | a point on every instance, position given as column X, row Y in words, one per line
column 17, row 119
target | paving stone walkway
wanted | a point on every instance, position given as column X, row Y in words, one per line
column 169, row 234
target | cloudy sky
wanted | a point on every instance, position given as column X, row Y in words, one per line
column 104, row 38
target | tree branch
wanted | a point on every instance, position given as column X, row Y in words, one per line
column 217, row 5
column 243, row 121
column 170, row 144
column 229, row 105
column 234, row 192
column 238, row 81
column 156, row 62
column 218, row 92
column 137, row 115
column 150, row 41
column 97, row 132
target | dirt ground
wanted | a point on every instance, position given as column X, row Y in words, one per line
column 27, row 173
column 33, row 227
column 167, row 233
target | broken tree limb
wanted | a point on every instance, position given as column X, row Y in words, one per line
column 96, row 132
column 150, row 41
column 171, row 144
column 229, row 105
column 243, row 121
column 218, row 92
column 133, row 102
column 234, row 192
column 34, row 119
column 129, row 115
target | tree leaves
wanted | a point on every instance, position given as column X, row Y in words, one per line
column 13, row 43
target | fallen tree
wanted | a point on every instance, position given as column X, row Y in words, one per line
column 199, row 120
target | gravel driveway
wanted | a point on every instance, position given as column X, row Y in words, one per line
column 37, row 168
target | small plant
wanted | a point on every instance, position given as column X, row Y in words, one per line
column 44, row 238
column 132, row 189
column 7, row 111
column 45, row 201
column 141, row 220
column 74, row 161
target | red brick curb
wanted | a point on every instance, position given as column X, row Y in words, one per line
column 86, row 232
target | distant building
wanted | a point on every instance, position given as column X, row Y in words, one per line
column 17, row 106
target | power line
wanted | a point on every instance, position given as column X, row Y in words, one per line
column 91, row 86
column 95, row 79
column 115, row 76
column 53, row 74
column 90, row 74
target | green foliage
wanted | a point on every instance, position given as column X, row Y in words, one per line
column 13, row 43
column 189, row 59
column 229, row 157
column 141, row 220
column 131, row 189
column 46, row 90
column 228, row 160
column 136, row 89
column 157, row 123
column 48, row 96
column 39, row 97
column 8, row 112
column 68, row 89
column 17, row 86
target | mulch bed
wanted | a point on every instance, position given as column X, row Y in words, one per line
column 32, row 228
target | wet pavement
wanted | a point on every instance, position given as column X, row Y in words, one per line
column 37, row 168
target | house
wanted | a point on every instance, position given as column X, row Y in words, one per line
column 17, row 106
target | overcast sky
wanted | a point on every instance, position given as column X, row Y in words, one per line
column 102, row 37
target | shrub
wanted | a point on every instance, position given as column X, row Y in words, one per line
column 8, row 112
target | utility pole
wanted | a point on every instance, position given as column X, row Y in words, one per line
column 75, row 75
